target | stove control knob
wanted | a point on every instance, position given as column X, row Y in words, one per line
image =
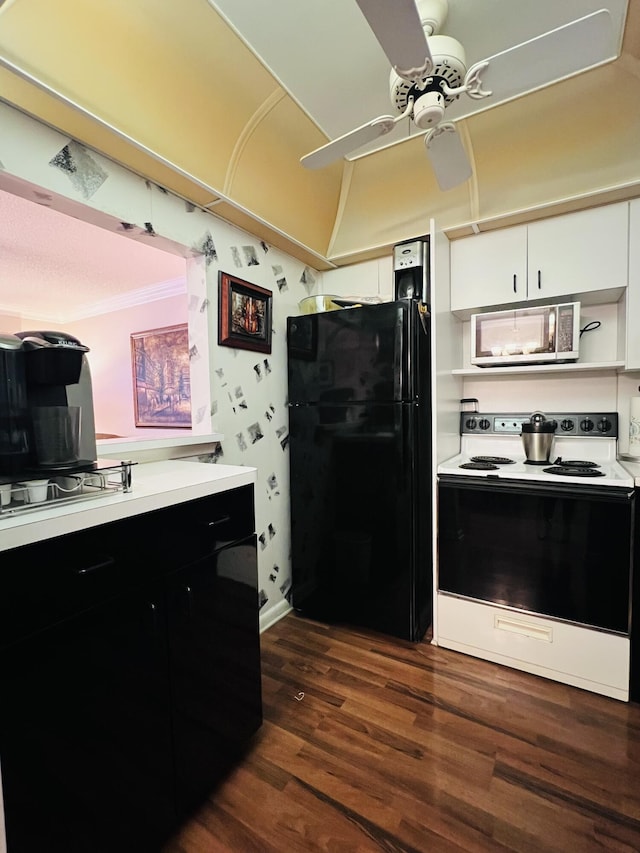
column 471, row 423
column 566, row 425
column 604, row 425
column 586, row 425
column 484, row 424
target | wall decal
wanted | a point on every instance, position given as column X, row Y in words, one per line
column 307, row 278
column 235, row 254
column 255, row 432
column 285, row 589
column 250, row 256
column 207, row 248
column 265, row 246
column 161, row 377
column 281, row 280
column 244, row 311
column 85, row 174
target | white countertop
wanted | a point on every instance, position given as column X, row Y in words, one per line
column 141, row 445
column 633, row 468
column 154, row 485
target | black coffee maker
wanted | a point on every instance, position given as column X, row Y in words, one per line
column 60, row 401
column 15, row 446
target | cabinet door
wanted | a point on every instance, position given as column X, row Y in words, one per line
column 579, row 252
column 214, row 648
column 489, row 269
column 633, row 292
column 85, row 732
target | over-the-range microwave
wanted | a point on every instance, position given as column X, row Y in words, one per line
column 538, row 335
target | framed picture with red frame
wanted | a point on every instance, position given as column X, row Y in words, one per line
column 244, row 315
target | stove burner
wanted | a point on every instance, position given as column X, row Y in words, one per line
column 492, row 460
column 479, row 466
column 575, row 463
column 566, row 470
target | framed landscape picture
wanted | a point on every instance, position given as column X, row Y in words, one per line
column 244, row 314
column 161, row 377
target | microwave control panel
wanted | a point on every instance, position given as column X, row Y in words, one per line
column 565, row 329
column 592, row 424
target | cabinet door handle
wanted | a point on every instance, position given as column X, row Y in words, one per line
column 515, row 289
column 539, row 281
column 188, row 600
column 153, row 613
column 222, row 520
column 87, row 570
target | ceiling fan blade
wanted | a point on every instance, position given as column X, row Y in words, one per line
column 548, row 58
column 396, row 25
column 348, row 142
column 448, row 158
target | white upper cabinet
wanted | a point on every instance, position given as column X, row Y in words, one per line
column 632, row 355
column 563, row 256
column 489, row 269
column 579, row 252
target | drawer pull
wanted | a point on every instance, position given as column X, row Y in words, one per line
column 223, row 520
column 87, row 570
column 525, row 629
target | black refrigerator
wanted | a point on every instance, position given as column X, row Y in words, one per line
column 361, row 473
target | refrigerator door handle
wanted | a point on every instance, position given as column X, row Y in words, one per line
column 423, row 313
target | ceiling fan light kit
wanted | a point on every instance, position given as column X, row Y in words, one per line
column 429, row 73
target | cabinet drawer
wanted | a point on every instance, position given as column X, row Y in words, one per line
column 49, row 581
column 593, row 660
column 200, row 527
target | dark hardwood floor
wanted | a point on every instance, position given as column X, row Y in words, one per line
column 375, row 744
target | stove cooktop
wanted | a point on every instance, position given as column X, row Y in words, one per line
column 491, row 447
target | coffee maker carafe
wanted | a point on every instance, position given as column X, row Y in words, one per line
column 60, row 400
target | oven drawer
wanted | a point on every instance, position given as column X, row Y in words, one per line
column 586, row 658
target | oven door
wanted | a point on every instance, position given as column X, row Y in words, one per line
column 562, row 551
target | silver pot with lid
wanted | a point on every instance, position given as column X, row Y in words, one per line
column 537, row 438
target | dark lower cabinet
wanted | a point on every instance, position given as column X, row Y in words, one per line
column 86, row 732
column 634, row 678
column 215, row 668
column 119, row 718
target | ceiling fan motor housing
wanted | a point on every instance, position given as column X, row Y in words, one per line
column 450, row 68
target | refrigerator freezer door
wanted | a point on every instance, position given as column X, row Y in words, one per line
column 357, row 354
column 361, row 517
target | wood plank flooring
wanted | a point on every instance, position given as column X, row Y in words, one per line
column 397, row 746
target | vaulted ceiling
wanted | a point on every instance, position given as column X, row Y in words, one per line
column 175, row 92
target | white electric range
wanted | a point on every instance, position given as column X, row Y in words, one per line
column 535, row 561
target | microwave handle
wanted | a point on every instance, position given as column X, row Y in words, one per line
column 539, row 281
column 515, row 289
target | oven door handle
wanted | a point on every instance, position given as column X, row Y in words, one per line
column 497, row 484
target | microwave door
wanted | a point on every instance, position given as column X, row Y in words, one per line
column 536, row 335
column 521, row 336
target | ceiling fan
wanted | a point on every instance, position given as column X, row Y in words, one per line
column 429, row 73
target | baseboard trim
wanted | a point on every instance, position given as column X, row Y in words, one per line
column 274, row 614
